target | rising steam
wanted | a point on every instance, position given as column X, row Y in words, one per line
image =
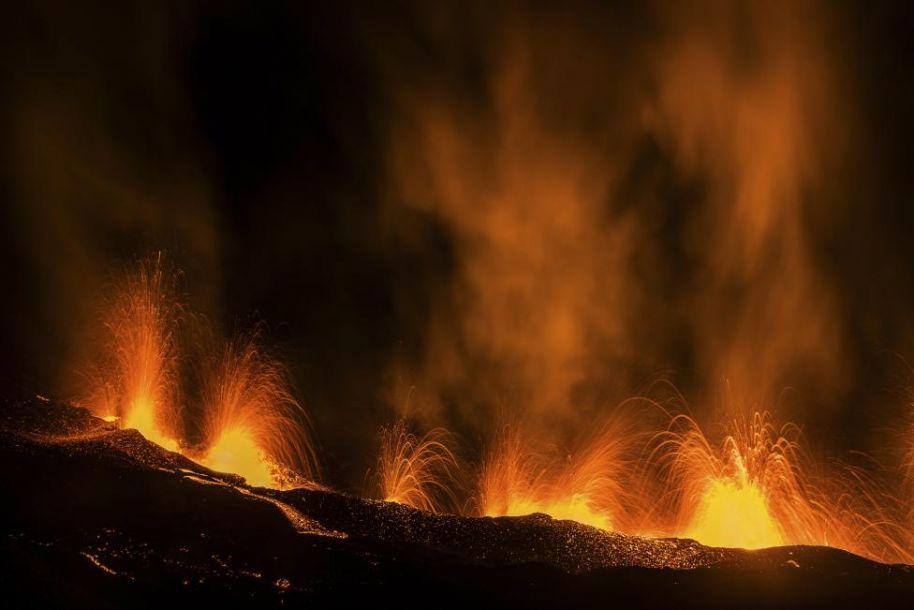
column 758, row 121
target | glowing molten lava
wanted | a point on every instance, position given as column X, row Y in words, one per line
column 415, row 470
column 253, row 426
column 592, row 486
column 753, row 489
column 750, row 492
column 734, row 513
column 575, row 507
column 134, row 376
column 141, row 416
column 236, row 451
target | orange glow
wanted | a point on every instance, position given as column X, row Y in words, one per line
column 134, row 380
column 758, row 489
column 253, row 426
column 592, row 486
column 755, row 488
column 236, row 451
column 141, row 417
column 734, row 514
column 415, row 470
column 750, row 492
column 576, row 507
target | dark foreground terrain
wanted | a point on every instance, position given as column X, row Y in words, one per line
column 97, row 517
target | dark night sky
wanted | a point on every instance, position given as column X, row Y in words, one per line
column 251, row 140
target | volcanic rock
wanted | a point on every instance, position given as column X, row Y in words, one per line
column 100, row 517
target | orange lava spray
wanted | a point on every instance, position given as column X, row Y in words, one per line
column 135, row 377
column 727, row 494
column 757, row 489
column 593, row 485
column 252, row 424
column 416, row 470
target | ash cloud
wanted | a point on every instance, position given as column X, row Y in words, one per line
column 627, row 202
column 749, row 105
column 543, row 288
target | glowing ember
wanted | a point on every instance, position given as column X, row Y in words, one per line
column 751, row 492
column 592, row 486
column 134, row 375
column 754, row 489
column 415, row 470
column 252, row 423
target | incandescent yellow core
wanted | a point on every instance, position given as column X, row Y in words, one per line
column 236, row 451
column 734, row 513
column 575, row 507
column 141, row 417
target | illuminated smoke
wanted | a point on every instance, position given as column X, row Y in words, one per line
column 557, row 258
column 555, row 182
column 557, row 178
column 542, row 283
column 757, row 120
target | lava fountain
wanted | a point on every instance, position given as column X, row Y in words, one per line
column 252, row 424
column 593, row 485
column 415, row 470
column 749, row 491
column 134, row 380
column 755, row 488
